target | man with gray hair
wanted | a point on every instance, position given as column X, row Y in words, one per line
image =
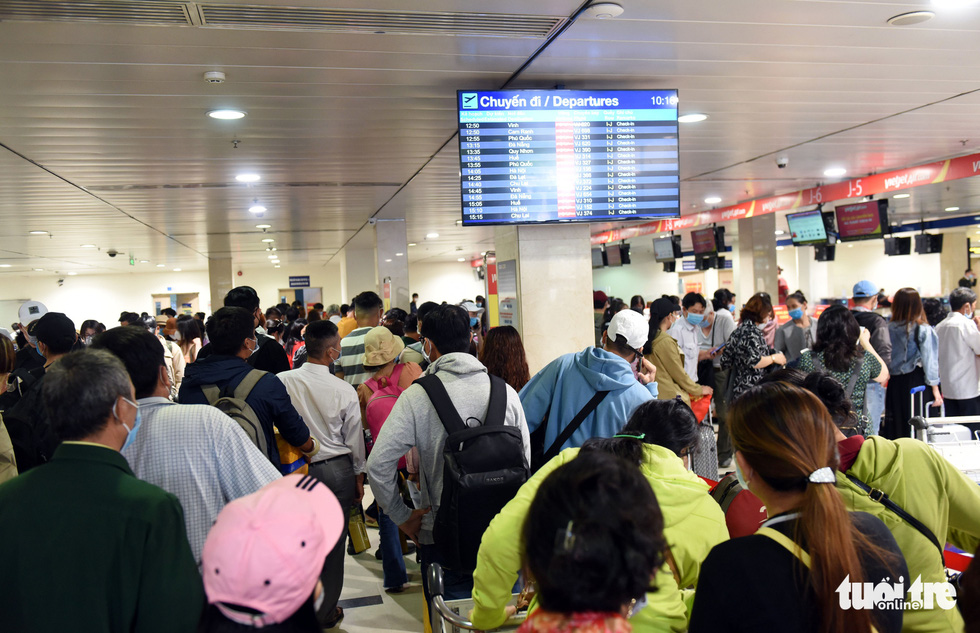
column 959, row 355
column 86, row 517
column 333, row 313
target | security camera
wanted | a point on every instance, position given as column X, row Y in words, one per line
column 782, row 161
column 372, row 221
column 112, row 252
column 61, row 281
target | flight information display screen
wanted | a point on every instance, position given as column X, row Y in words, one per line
column 533, row 156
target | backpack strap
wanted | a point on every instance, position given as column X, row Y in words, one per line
column 212, row 393
column 817, row 363
column 443, row 405
column 248, row 383
column 880, row 497
column 855, row 376
column 396, row 374
column 497, row 405
column 576, row 422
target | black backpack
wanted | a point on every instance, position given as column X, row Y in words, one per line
column 30, row 433
column 483, row 470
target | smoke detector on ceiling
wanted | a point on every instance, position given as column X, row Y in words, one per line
column 214, row 77
column 604, row 10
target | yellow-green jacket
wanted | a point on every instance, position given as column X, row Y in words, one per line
column 693, row 524
column 928, row 487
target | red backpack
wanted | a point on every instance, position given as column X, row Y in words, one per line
column 381, row 402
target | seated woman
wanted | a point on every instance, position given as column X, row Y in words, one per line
column 592, row 540
column 799, row 333
column 262, row 560
column 914, row 476
column 844, row 349
column 787, row 576
column 662, row 350
column 656, row 440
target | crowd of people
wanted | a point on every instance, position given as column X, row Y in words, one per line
column 199, row 473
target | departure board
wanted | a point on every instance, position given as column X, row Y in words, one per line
column 534, row 156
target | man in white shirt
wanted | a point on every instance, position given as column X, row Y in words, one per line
column 959, row 355
column 195, row 452
column 685, row 332
column 332, row 412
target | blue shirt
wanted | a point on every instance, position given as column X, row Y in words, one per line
column 908, row 353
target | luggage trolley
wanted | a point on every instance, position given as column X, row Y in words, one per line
column 948, row 437
column 449, row 616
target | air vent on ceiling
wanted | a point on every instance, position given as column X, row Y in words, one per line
column 361, row 20
column 145, row 12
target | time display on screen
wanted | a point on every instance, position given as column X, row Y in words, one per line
column 568, row 156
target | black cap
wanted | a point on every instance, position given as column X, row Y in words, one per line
column 54, row 329
column 660, row 309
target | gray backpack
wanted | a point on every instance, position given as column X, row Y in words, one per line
column 232, row 404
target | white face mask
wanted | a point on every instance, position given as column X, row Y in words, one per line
column 425, row 354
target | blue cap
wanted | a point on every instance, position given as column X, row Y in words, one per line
column 865, row 289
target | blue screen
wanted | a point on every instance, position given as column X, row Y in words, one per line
column 532, row 156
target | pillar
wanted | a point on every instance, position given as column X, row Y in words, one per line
column 391, row 248
column 757, row 257
column 221, row 279
column 813, row 275
column 554, row 288
column 358, row 265
column 953, row 260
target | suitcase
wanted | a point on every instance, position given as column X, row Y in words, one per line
column 704, row 460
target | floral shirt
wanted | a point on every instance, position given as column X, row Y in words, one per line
column 745, row 349
column 542, row 621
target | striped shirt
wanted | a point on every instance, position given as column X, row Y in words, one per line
column 352, row 356
column 199, row 455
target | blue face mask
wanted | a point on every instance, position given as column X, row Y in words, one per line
column 731, row 308
column 131, row 436
column 741, row 476
column 796, row 314
column 694, row 319
column 474, row 321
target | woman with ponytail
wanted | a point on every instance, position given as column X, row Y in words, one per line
column 797, row 571
column 656, row 441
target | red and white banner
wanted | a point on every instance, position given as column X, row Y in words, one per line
column 932, row 173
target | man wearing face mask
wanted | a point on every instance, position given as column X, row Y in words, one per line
column 685, row 332
column 30, row 431
column 606, row 384
column 85, row 514
column 271, row 358
column 232, row 334
column 475, row 311
column 865, row 299
column 194, row 452
column 959, row 355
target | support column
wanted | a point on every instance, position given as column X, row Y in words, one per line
column 813, row 275
column 358, row 265
column 757, row 257
column 391, row 246
column 953, row 260
column 553, row 310
column 221, row 279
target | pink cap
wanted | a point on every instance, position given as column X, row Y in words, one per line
column 266, row 550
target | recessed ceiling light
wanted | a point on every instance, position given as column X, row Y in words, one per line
column 248, row 177
column 277, row 266
column 263, row 226
column 483, row 254
column 177, row 270
column 834, row 172
column 779, row 248
column 257, row 208
column 412, row 244
column 39, row 270
column 226, row 115
column 144, row 261
column 604, row 10
column 952, row 208
column 38, row 233
column 694, row 117
column 273, row 256
column 461, row 259
column 88, row 245
column 388, row 261
column 431, row 236
column 5, row 265
column 459, row 223
column 901, row 195
column 712, row 200
column 399, row 254
column 850, row 246
column 72, row 274
column 161, row 265
column 276, row 261
column 268, row 240
column 910, row 18
column 780, row 232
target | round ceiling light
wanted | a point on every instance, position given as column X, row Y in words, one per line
column 952, row 208
column 248, row 177
column 461, row 259
column 834, row 172
column 38, row 233
column 88, row 245
column 227, row 114
column 257, row 208
column 712, row 200
column 431, row 236
column 901, row 195
column 177, row 270
column 604, row 10
column 694, row 117
column 911, row 18
column 268, row 240
column 263, row 226
column 161, row 265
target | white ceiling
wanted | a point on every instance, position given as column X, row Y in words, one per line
column 107, row 141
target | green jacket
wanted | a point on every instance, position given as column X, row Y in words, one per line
column 928, row 487
column 693, row 524
column 86, row 546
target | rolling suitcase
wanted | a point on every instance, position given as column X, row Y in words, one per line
column 704, row 460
